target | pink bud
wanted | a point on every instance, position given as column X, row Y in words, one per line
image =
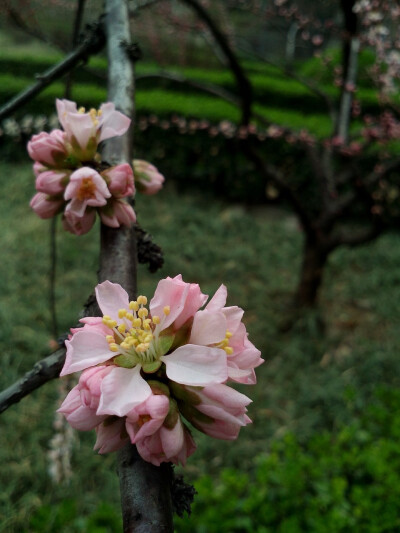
column 52, row 181
column 46, row 206
column 117, row 213
column 48, row 148
column 79, row 225
column 147, row 177
column 120, row 180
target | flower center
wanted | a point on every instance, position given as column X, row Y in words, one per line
column 94, row 114
column 86, row 190
column 137, row 336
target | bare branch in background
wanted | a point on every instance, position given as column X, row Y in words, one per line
column 92, row 44
column 243, row 84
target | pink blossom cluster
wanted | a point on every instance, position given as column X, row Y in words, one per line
column 70, row 177
column 146, row 369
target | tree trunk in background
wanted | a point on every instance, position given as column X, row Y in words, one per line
column 314, row 261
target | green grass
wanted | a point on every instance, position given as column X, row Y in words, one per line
column 310, row 383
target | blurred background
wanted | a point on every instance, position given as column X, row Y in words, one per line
column 276, row 126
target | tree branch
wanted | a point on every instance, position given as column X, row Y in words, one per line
column 42, row 372
column 92, row 44
column 243, row 84
column 145, row 489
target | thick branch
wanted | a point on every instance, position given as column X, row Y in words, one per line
column 92, row 44
column 145, row 489
column 43, row 371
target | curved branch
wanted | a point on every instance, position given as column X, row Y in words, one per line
column 244, row 85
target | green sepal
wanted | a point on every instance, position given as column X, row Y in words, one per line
column 193, row 415
column 173, row 415
column 184, row 395
column 125, row 361
column 152, row 367
column 159, row 388
column 165, row 343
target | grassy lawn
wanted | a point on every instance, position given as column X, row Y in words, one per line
column 309, row 383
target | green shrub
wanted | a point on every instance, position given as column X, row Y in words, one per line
column 349, row 481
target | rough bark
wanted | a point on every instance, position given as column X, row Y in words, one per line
column 145, row 489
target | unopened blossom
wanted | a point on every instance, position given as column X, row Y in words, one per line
column 117, row 213
column 218, row 411
column 120, row 180
column 49, row 149
column 79, row 225
column 52, row 181
column 85, row 130
column 146, row 367
column 148, row 179
column 46, row 206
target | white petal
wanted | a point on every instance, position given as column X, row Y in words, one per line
column 122, row 389
column 111, row 297
column 85, row 349
column 196, row 365
column 208, row 328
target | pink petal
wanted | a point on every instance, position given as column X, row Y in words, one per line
column 208, row 328
column 196, row 365
column 172, row 294
column 122, row 389
column 85, row 349
column 218, row 300
column 111, row 297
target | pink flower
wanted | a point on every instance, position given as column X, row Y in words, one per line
column 84, row 131
column 52, row 181
column 223, row 327
column 147, row 418
column 183, row 298
column 120, row 180
column 117, row 213
column 79, row 225
column 49, row 149
column 141, row 346
column 217, row 410
column 46, row 206
column 81, row 404
column 174, row 445
column 85, row 188
column 147, row 177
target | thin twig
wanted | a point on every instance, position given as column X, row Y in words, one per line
column 52, row 277
column 92, row 44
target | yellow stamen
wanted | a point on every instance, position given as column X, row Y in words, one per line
column 122, row 313
column 122, row 328
column 228, row 334
column 114, row 347
column 110, row 338
column 129, row 316
column 156, row 319
column 137, row 323
column 142, row 300
column 228, row 350
column 167, row 310
column 143, row 312
column 134, row 306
